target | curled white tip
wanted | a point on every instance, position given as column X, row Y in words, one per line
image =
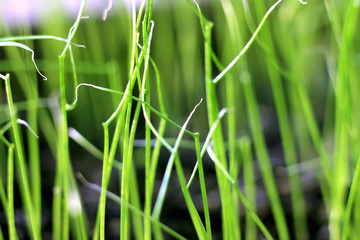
column 2, row 77
column 74, row 203
column 24, row 123
column 222, row 112
column 73, row 133
column 23, row 46
column 303, row 2
column 196, row 4
column 107, row 9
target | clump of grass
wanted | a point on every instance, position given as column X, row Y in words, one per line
column 139, row 78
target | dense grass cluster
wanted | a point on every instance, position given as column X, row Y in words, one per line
column 158, row 91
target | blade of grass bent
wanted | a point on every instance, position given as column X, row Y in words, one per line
column 63, row 147
column 119, row 113
column 247, row 205
column 164, row 184
column 247, row 46
column 213, row 110
column 206, row 143
column 198, row 225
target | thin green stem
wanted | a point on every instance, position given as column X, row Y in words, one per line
column 165, row 182
column 264, row 159
column 203, row 188
column 24, row 180
column 248, row 44
column 350, row 202
column 219, row 148
column 11, row 215
column 249, row 185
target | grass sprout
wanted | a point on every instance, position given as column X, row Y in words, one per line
column 267, row 94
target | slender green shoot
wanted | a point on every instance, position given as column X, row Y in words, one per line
column 117, row 199
column 350, row 202
column 248, row 44
column 165, row 182
column 264, row 159
column 11, row 215
column 21, row 163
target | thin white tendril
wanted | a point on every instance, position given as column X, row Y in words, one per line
column 218, row 164
column 2, row 77
column 38, row 37
column 23, row 46
column 72, row 105
column 107, row 9
column 207, row 142
column 303, row 2
column 24, row 123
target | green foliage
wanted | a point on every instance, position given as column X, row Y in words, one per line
column 143, row 70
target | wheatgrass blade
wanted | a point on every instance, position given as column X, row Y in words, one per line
column 6, row 205
column 231, row 38
column 350, row 202
column 3, row 198
column 119, row 113
column 248, row 44
column 287, row 139
column 144, row 85
column 212, row 106
column 129, row 135
column 30, row 89
column 343, row 114
column 132, row 208
column 263, row 158
column 150, row 171
column 206, row 143
column 22, row 168
column 203, row 188
column 249, row 185
column 10, row 190
column 198, row 225
column 63, row 173
column 164, row 184
column 306, row 129
column 247, row 205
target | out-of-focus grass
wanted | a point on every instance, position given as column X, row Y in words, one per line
column 145, row 69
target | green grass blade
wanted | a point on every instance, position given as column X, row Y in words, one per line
column 23, row 176
column 249, row 185
column 248, row 44
column 198, row 225
column 203, row 188
column 11, row 215
column 164, row 184
column 132, row 208
column 247, row 205
column 350, row 202
column 264, row 159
